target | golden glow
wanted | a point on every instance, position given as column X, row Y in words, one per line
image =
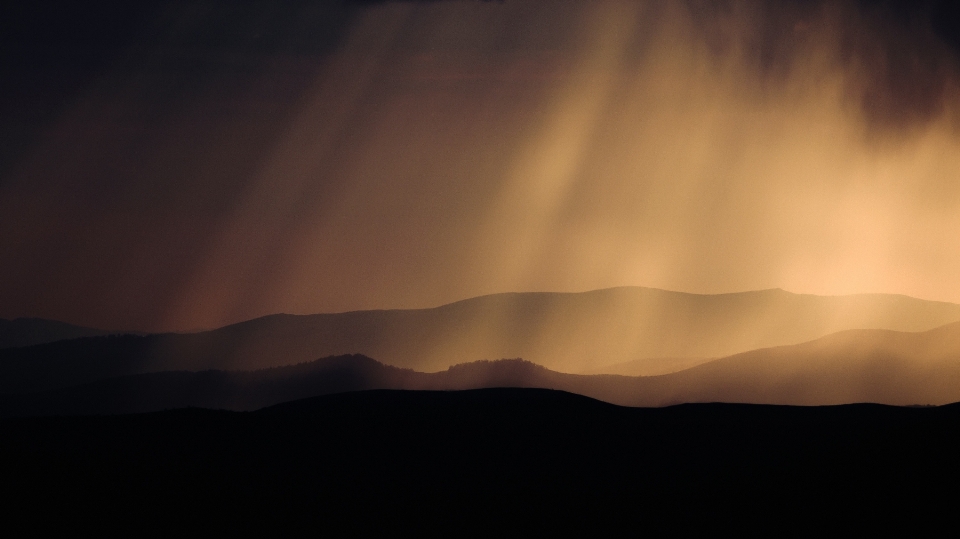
column 448, row 150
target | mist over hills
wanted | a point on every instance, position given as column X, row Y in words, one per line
column 852, row 366
column 878, row 366
column 630, row 330
column 569, row 332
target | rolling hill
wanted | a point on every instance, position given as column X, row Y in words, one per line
column 568, row 332
column 633, row 331
column 879, row 366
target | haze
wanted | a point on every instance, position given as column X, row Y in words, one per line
column 330, row 156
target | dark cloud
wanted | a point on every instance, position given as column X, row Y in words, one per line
column 910, row 54
column 51, row 32
column 904, row 55
column 901, row 58
column 52, row 52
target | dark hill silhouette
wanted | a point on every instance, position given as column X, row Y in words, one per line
column 854, row 366
column 31, row 331
column 243, row 390
column 77, row 361
column 594, row 332
column 487, row 460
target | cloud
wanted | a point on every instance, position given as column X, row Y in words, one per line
column 900, row 59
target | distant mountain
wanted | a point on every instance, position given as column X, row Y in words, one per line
column 852, row 366
column 649, row 366
column 244, row 390
column 635, row 331
column 31, row 331
column 77, row 361
column 568, row 332
column 877, row 366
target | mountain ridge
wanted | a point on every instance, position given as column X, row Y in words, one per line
column 28, row 331
column 658, row 331
column 879, row 366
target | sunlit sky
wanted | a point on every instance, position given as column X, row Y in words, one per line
column 207, row 163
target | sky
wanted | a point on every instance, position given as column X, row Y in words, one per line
column 175, row 165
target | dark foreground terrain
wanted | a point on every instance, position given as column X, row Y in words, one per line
column 511, row 459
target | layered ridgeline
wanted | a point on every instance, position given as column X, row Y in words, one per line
column 631, row 331
column 30, row 331
column 879, row 366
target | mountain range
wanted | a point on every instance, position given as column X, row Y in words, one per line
column 879, row 366
column 767, row 346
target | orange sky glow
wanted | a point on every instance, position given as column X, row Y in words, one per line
column 448, row 150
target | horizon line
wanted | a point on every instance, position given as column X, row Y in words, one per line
column 471, row 298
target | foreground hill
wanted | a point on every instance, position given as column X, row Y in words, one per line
column 482, row 460
column 655, row 331
column 853, row 366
